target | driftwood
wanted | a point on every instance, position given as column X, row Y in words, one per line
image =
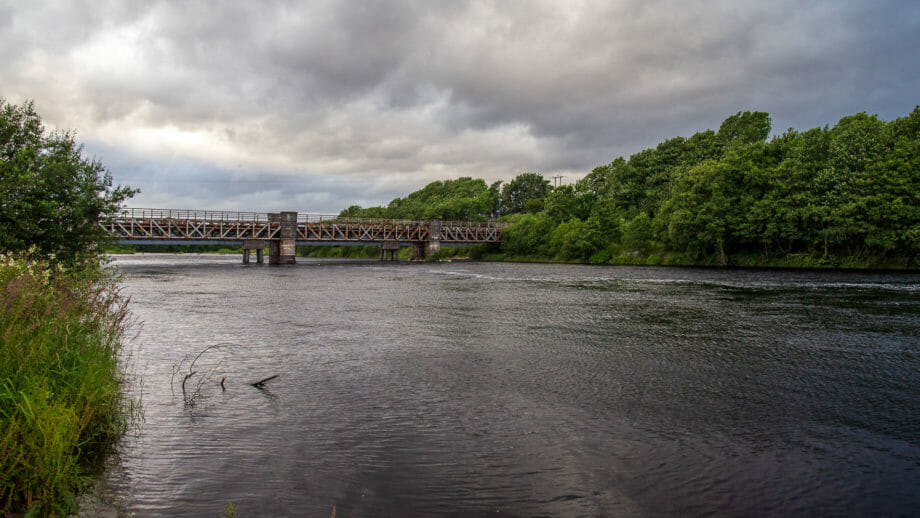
column 261, row 383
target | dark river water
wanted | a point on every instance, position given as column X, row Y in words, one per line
column 473, row 389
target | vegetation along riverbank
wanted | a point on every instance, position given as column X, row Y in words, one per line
column 828, row 197
column 61, row 319
column 61, row 403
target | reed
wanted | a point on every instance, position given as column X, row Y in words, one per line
column 61, row 400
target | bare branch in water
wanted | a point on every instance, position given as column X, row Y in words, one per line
column 261, row 383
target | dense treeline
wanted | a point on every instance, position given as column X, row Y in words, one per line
column 842, row 195
column 460, row 199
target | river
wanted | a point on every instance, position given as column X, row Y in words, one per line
column 473, row 389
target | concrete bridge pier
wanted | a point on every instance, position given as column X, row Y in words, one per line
column 282, row 249
column 389, row 251
column 253, row 244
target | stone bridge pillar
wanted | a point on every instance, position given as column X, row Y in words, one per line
column 423, row 249
column 281, row 249
column 434, row 237
column 418, row 251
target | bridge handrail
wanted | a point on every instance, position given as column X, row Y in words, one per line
column 195, row 215
column 314, row 218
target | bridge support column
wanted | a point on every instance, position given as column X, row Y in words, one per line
column 434, row 237
column 253, row 244
column 418, row 251
column 389, row 251
column 423, row 249
column 281, row 249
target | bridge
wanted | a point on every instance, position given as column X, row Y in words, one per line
column 282, row 231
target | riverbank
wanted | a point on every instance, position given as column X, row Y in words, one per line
column 61, row 402
column 797, row 261
column 613, row 257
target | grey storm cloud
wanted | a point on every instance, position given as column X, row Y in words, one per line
column 278, row 104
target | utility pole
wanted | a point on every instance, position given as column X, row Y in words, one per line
column 557, row 180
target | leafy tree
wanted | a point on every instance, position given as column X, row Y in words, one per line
column 575, row 240
column 535, row 205
column 495, row 196
column 461, row 199
column 527, row 235
column 51, row 197
column 639, row 234
column 845, row 186
column 561, row 203
column 524, row 187
column 608, row 220
column 746, row 127
column 702, row 146
column 903, row 175
column 705, row 210
column 353, row 211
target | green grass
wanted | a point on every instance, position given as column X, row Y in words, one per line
column 352, row 252
column 61, row 401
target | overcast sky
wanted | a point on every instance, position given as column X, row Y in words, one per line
column 314, row 106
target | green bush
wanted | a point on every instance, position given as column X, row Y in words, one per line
column 60, row 381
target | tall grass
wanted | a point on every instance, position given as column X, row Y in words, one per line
column 60, row 382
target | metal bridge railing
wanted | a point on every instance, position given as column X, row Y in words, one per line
column 194, row 215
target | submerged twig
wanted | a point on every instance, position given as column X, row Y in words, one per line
column 261, row 383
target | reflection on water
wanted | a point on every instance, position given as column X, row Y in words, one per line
column 469, row 388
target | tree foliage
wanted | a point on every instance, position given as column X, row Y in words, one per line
column 460, row 199
column 51, row 197
column 523, row 189
column 850, row 191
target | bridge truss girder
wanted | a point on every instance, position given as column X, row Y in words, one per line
column 131, row 227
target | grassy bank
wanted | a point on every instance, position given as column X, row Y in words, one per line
column 349, row 252
column 61, row 403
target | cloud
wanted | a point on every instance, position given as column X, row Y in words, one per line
column 341, row 102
